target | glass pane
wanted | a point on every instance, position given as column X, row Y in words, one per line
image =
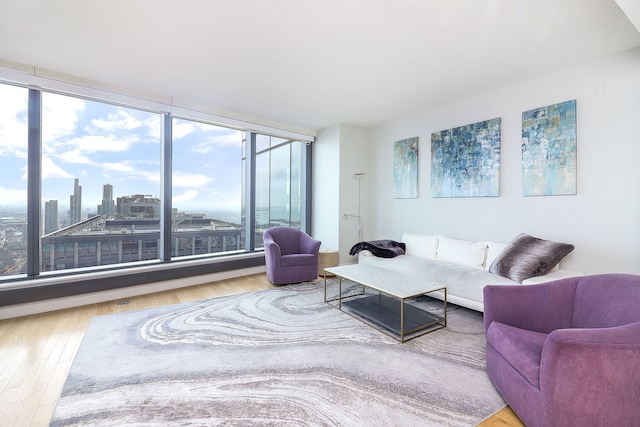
column 275, row 141
column 13, row 187
column 280, row 197
column 296, row 181
column 263, row 142
column 101, row 173
column 207, row 188
column 262, row 196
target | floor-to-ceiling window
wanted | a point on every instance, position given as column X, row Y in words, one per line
column 278, row 184
column 206, row 188
column 101, row 173
column 13, row 185
column 101, row 177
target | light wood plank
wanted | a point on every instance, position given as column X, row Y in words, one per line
column 503, row 418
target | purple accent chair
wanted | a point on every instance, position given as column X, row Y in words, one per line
column 291, row 255
column 567, row 353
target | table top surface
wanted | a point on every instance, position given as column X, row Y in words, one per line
column 399, row 285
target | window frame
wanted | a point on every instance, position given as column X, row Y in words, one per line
column 39, row 285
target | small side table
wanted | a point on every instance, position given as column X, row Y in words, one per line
column 327, row 259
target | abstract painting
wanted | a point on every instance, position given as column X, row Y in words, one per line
column 549, row 142
column 465, row 161
column 405, row 169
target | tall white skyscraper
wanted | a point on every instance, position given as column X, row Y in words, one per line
column 50, row 216
column 75, row 203
column 108, row 206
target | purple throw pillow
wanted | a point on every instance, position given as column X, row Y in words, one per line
column 527, row 256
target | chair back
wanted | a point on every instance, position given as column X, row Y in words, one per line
column 606, row 300
column 288, row 239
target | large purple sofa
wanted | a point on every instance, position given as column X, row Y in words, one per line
column 567, row 353
column 291, row 255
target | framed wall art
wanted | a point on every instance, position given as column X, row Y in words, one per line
column 465, row 161
column 549, row 143
column 405, row 169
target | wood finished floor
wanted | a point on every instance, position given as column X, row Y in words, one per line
column 36, row 351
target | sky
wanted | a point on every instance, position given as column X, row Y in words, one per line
column 101, row 144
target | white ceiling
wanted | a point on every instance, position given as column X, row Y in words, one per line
column 312, row 64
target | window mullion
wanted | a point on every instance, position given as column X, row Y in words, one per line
column 166, row 189
column 250, row 192
column 34, row 188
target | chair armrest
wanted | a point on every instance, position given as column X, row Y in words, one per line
column 309, row 245
column 592, row 368
column 541, row 308
column 272, row 252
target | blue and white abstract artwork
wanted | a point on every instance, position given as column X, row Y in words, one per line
column 405, row 169
column 549, row 142
column 465, row 161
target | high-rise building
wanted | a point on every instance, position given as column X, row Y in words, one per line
column 138, row 206
column 50, row 216
column 75, row 203
column 108, row 206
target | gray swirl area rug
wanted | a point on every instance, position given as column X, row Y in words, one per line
column 278, row 357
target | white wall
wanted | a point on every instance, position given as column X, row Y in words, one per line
column 602, row 220
column 326, row 188
column 338, row 153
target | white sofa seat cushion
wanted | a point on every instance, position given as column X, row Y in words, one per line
column 462, row 252
column 460, row 280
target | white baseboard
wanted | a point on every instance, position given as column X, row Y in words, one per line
column 37, row 307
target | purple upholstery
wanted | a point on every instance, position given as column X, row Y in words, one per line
column 291, row 255
column 567, row 353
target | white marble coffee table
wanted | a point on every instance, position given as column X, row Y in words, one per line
column 386, row 309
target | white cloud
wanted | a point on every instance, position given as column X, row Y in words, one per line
column 59, row 116
column 51, row 170
column 11, row 196
column 224, row 140
column 79, row 149
column 185, row 197
column 190, row 180
column 118, row 167
column 227, row 139
column 181, row 129
column 76, row 157
column 96, row 143
column 13, row 128
column 153, row 125
column 149, row 176
column 121, row 120
column 131, row 171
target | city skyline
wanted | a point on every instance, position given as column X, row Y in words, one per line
column 103, row 143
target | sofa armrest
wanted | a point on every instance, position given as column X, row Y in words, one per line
column 592, row 371
column 552, row 276
column 540, row 308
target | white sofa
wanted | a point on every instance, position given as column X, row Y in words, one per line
column 462, row 266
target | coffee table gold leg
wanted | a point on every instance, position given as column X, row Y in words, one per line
column 325, row 287
column 401, row 319
column 445, row 307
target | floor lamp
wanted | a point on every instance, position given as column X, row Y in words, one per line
column 356, row 217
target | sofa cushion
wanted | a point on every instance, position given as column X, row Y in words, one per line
column 522, row 349
column 461, row 281
column 297, row 259
column 527, row 256
column 421, row 245
column 470, row 254
column 493, row 250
